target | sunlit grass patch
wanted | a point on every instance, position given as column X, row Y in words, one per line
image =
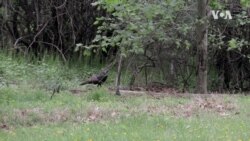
column 139, row 128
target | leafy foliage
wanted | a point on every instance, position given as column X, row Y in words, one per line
column 245, row 3
column 135, row 24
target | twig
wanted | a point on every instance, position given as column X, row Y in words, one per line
column 62, row 5
column 57, row 48
column 55, row 90
column 38, row 33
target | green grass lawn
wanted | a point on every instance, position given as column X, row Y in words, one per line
column 94, row 114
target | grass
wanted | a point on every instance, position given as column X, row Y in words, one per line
column 88, row 113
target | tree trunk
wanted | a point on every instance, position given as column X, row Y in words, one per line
column 118, row 77
column 202, row 32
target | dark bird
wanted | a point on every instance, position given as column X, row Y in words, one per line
column 97, row 79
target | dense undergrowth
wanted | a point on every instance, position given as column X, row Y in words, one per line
column 47, row 71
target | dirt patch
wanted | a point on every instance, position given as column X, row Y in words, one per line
column 33, row 116
column 4, row 127
column 152, row 89
column 97, row 113
column 214, row 103
column 196, row 105
column 77, row 92
column 155, row 95
column 58, row 115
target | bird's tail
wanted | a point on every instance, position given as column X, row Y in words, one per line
column 84, row 83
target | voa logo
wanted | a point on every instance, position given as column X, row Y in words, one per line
column 226, row 14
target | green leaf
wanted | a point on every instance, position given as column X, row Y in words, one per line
column 104, row 49
column 232, row 44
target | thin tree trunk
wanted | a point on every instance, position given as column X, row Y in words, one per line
column 202, row 32
column 118, row 77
